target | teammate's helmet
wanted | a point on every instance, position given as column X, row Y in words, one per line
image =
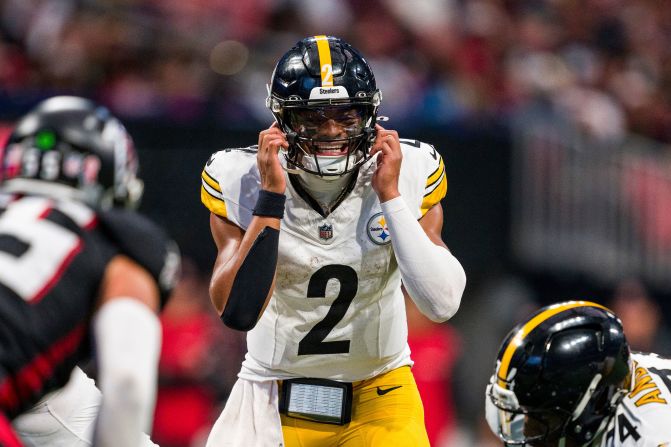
column 560, row 375
column 324, row 78
column 69, row 146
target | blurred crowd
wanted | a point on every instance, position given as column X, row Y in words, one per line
column 604, row 63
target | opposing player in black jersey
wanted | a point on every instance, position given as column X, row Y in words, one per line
column 79, row 272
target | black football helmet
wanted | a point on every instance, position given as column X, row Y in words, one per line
column 324, row 78
column 69, row 146
column 559, row 376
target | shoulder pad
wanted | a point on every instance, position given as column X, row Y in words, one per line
column 230, row 183
column 146, row 243
column 427, row 161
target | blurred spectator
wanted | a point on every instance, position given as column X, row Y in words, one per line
column 605, row 63
column 647, row 187
column 485, row 316
column 435, row 349
column 199, row 361
column 5, row 130
column 641, row 317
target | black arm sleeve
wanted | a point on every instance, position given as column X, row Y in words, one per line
column 252, row 282
column 146, row 243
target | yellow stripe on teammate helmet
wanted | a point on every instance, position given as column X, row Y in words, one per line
column 532, row 324
column 325, row 64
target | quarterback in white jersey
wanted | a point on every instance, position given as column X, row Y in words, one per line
column 565, row 377
column 336, row 269
column 316, row 227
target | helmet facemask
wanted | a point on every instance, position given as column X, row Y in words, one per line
column 518, row 425
column 323, row 96
column 126, row 190
column 327, row 137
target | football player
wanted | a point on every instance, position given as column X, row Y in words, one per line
column 316, row 227
column 565, row 377
column 79, row 272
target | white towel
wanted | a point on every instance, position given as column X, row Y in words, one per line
column 250, row 418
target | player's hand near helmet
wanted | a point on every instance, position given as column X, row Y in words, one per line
column 270, row 169
column 385, row 179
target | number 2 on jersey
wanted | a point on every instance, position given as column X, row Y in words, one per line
column 313, row 342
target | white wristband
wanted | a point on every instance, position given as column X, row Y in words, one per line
column 433, row 277
column 128, row 342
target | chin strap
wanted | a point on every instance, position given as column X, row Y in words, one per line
column 287, row 164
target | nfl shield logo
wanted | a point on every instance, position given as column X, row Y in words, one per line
column 326, row 231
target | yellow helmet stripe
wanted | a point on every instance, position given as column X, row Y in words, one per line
column 516, row 341
column 325, row 61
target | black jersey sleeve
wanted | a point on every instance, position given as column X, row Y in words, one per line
column 146, row 243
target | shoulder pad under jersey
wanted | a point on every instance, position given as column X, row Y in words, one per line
column 146, row 243
column 426, row 171
column 230, row 184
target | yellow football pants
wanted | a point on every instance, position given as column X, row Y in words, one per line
column 386, row 411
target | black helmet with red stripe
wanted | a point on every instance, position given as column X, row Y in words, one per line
column 324, row 78
column 559, row 375
column 70, row 146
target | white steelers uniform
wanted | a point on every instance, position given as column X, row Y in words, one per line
column 337, row 311
column 643, row 418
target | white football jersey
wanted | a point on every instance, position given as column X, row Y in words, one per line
column 337, row 311
column 643, row 418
